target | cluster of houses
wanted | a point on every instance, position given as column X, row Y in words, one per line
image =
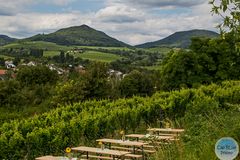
column 80, row 69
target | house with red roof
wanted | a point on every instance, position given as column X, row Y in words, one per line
column 3, row 74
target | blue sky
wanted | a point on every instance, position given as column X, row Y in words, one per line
column 131, row 21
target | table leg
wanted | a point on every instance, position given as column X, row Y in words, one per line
column 143, row 156
column 134, row 149
column 87, row 155
column 109, row 146
column 113, row 157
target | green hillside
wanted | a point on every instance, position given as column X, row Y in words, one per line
column 179, row 39
column 79, row 36
column 36, row 45
column 5, row 40
column 98, row 56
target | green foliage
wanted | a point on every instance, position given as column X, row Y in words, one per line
column 229, row 11
column 52, row 132
column 97, row 79
column 36, row 75
column 70, row 92
column 36, row 53
column 209, row 60
column 181, row 70
column 99, row 56
column 136, row 83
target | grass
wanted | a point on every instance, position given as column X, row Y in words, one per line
column 38, row 45
column 50, row 53
column 98, row 56
column 109, row 48
column 6, row 57
column 202, row 133
column 156, row 67
column 159, row 49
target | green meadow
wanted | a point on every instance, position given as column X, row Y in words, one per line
column 98, row 56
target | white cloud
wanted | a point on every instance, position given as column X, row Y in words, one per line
column 129, row 23
column 158, row 3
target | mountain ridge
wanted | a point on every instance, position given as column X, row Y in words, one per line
column 4, row 39
column 79, row 35
column 181, row 39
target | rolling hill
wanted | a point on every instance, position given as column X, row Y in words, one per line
column 5, row 40
column 80, row 36
column 179, row 39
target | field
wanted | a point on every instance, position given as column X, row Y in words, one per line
column 6, row 57
column 50, row 53
column 98, row 56
column 156, row 67
column 38, row 45
column 163, row 50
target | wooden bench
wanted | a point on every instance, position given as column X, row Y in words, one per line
column 133, row 156
column 148, row 146
column 97, row 157
column 131, row 149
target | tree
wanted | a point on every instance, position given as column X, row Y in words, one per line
column 218, row 57
column 36, row 53
column 136, row 83
column 2, row 62
column 181, row 70
column 71, row 92
column 33, row 75
column 229, row 10
column 97, row 78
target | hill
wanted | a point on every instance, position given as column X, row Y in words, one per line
column 80, row 36
column 179, row 39
column 5, row 40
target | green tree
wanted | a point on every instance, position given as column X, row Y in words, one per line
column 218, row 57
column 181, row 70
column 97, row 78
column 2, row 62
column 70, row 92
column 229, row 10
column 136, row 83
column 36, row 52
column 28, row 76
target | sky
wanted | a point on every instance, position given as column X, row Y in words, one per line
column 131, row 21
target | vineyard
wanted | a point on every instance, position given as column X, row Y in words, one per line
column 82, row 123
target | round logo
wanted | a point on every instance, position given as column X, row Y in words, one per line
column 226, row 148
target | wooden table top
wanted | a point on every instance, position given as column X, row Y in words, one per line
column 166, row 130
column 106, row 140
column 100, row 151
column 132, row 143
column 121, row 142
column 135, row 135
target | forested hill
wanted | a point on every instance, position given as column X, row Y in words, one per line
column 5, row 40
column 79, row 35
column 179, row 39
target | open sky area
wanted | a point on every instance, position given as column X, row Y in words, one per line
column 131, row 21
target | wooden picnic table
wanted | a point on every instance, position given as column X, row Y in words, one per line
column 169, row 130
column 160, row 136
column 133, row 144
column 113, row 153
